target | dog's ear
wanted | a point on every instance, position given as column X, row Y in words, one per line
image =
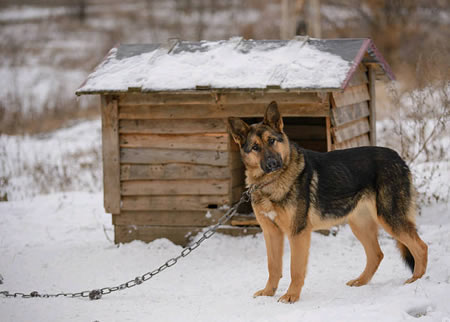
column 273, row 118
column 238, row 130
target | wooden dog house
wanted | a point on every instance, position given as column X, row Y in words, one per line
column 170, row 168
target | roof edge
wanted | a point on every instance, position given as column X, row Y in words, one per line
column 356, row 62
column 368, row 44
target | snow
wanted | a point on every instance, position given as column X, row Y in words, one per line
column 65, row 160
column 221, row 64
column 59, row 243
column 63, row 242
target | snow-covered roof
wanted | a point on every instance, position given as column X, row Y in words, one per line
column 301, row 63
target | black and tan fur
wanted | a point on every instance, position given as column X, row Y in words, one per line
column 299, row 191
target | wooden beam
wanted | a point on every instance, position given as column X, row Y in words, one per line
column 345, row 114
column 110, row 152
column 351, row 130
column 210, row 111
column 164, row 156
column 351, row 95
column 172, row 171
column 172, row 126
column 178, row 235
column 372, row 106
column 169, row 218
column 175, row 187
column 362, row 140
column 206, row 141
column 195, row 202
column 212, row 97
column 328, row 129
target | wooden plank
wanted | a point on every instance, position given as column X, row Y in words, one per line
column 349, row 113
column 172, row 126
column 208, row 97
column 176, row 187
column 172, row 171
column 110, row 152
column 206, row 141
column 351, row 130
column 305, row 132
column 178, row 235
column 359, row 77
column 141, row 112
column 328, row 129
column 169, row 218
column 351, row 95
column 362, row 140
column 372, row 106
column 164, row 156
column 173, row 202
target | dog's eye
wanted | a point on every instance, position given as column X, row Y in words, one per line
column 271, row 141
column 255, row 147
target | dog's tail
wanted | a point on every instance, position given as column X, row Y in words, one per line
column 406, row 255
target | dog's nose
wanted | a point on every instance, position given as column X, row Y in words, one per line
column 273, row 164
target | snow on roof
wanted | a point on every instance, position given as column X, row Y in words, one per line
column 301, row 63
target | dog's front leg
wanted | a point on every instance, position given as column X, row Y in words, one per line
column 274, row 238
column 299, row 261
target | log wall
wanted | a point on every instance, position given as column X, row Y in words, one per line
column 170, row 165
column 351, row 117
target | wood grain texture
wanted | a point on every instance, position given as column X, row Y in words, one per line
column 345, row 114
column 110, row 152
column 173, row 126
column 191, row 218
column 351, row 95
column 196, row 202
column 178, row 235
column 206, row 141
column 372, row 106
column 351, row 130
column 359, row 77
column 172, row 171
column 176, row 187
column 211, row 111
column 328, row 129
column 207, row 97
column 164, row 156
column 362, row 140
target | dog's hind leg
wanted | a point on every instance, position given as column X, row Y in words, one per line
column 274, row 239
column 410, row 244
column 365, row 229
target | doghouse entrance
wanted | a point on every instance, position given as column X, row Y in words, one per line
column 308, row 132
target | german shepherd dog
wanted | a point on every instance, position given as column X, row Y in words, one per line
column 298, row 191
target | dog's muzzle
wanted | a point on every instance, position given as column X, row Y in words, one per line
column 271, row 165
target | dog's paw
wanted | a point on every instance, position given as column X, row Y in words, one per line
column 411, row 280
column 289, row 298
column 357, row 282
column 265, row 292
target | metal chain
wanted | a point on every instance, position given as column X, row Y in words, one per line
column 96, row 294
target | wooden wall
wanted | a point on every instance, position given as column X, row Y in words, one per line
column 169, row 163
column 351, row 121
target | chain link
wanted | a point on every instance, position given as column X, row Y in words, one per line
column 96, row 294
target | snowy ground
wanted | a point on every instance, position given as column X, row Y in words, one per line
column 59, row 243
column 62, row 242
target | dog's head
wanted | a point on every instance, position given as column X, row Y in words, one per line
column 264, row 146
